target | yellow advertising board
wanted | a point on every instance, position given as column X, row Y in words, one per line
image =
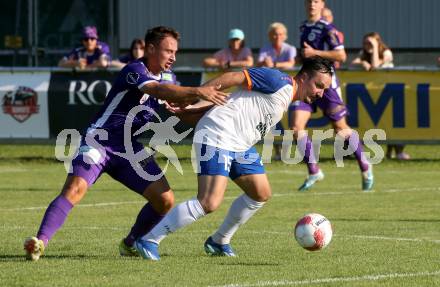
column 405, row 104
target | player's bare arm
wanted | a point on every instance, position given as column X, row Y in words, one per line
column 227, row 80
column 191, row 114
column 338, row 55
column 177, row 94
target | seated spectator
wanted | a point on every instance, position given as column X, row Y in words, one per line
column 277, row 54
column 327, row 15
column 236, row 55
column 376, row 54
column 90, row 55
column 136, row 51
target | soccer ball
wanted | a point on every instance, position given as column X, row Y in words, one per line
column 313, row 232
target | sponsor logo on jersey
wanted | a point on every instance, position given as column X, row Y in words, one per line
column 132, row 78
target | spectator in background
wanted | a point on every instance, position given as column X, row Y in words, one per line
column 327, row 15
column 92, row 54
column 277, row 54
column 236, row 55
column 136, row 51
column 376, row 54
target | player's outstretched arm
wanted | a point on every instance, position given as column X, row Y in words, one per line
column 227, row 80
column 178, row 94
column 190, row 114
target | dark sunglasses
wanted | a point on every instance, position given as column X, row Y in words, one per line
column 89, row 39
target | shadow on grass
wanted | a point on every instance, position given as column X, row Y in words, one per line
column 21, row 257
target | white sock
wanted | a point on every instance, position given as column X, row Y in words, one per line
column 241, row 210
column 180, row 216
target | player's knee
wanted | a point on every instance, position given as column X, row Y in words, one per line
column 297, row 131
column 209, row 205
column 74, row 191
column 263, row 195
column 166, row 202
column 344, row 132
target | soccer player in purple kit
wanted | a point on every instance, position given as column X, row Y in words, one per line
column 139, row 83
column 319, row 38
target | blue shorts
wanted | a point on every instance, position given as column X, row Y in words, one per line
column 215, row 161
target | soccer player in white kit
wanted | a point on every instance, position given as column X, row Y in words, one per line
column 223, row 141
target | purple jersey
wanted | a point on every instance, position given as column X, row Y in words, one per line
column 323, row 36
column 124, row 95
column 127, row 58
column 81, row 52
column 320, row 35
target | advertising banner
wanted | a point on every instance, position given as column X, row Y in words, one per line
column 24, row 111
column 75, row 97
column 402, row 103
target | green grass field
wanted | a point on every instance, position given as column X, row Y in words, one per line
column 387, row 238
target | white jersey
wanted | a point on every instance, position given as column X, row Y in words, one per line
column 249, row 114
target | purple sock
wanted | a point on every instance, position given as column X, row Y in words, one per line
column 145, row 221
column 309, row 156
column 54, row 217
column 362, row 161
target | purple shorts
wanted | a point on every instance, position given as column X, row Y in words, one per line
column 331, row 105
column 91, row 162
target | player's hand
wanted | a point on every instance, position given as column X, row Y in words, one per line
column 172, row 108
column 308, row 51
column 213, row 94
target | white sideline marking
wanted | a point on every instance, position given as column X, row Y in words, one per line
column 79, row 205
column 353, row 191
column 286, row 233
column 391, row 238
column 374, row 237
column 336, row 279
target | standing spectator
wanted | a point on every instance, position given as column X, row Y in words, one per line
column 92, row 54
column 236, row 55
column 376, row 54
column 327, row 15
column 277, row 54
column 136, row 51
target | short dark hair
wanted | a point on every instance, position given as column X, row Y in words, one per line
column 316, row 64
column 157, row 34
